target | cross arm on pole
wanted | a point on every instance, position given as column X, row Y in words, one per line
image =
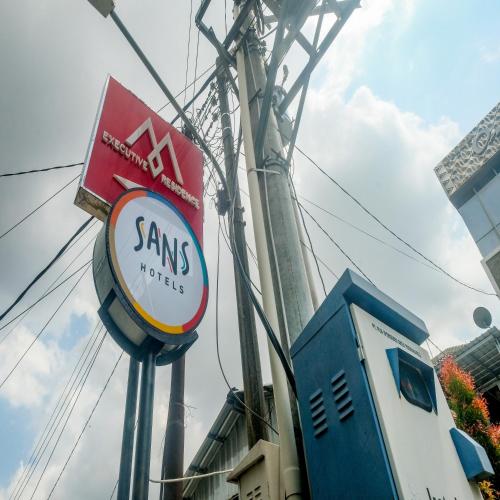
column 222, row 48
column 299, row 18
column 330, row 8
column 302, row 100
column 342, row 18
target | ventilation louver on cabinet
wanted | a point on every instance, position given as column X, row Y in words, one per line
column 318, row 413
column 341, row 395
column 255, row 494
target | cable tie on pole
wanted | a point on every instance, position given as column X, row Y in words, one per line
column 263, row 170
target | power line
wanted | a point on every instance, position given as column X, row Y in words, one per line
column 263, row 319
column 54, row 420
column 189, row 48
column 366, row 233
column 46, row 268
column 35, row 171
column 82, row 385
column 233, row 392
column 49, row 289
column 41, row 331
column 41, row 298
column 379, row 221
column 38, row 208
column 86, row 424
column 190, row 85
column 226, row 237
column 308, row 235
column 333, row 273
column 344, row 253
column 196, row 67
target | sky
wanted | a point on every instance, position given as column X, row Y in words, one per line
column 401, row 85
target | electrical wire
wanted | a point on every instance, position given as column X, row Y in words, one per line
column 231, row 389
column 333, row 273
column 46, row 268
column 387, row 228
column 188, row 48
column 68, row 416
column 226, row 237
column 18, row 223
column 49, row 289
column 35, row 171
column 45, row 295
column 183, row 90
column 344, row 253
column 366, row 233
column 307, row 233
column 42, row 330
column 54, row 420
column 86, row 424
column 196, row 68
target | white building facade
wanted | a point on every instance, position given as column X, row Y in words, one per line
column 470, row 176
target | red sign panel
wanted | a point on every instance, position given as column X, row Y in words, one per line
column 132, row 146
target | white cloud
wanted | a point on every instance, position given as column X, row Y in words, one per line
column 385, row 157
column 383, row 154
column 490, row 54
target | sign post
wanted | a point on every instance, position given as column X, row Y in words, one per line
column 144, row 179
column 152, row 283
column 127, row 452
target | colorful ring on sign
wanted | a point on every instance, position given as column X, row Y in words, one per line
column 163, row 327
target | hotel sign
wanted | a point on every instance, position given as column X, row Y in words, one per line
column 150, row 273
column 132, row 146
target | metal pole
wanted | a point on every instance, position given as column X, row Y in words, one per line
column 289, row 464
column 173, row 451
column 140, row 489
column 249, row 347
column 128, row 431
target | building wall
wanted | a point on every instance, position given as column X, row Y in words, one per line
column 481, row 214
column 231, row 453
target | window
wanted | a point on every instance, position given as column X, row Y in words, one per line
column 413, row 386
column 414, row 378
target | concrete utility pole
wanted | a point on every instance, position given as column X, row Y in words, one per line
column 289, row 462
column 292, row 291
column 249, row 348
column 289, row 273
column 173, row 451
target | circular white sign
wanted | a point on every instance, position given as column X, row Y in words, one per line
column 157, row 262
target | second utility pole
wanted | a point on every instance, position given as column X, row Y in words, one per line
column 250, row 360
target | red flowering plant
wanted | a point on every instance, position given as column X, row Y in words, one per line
column 470, row 411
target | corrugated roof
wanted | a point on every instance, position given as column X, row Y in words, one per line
column 480, row 357
column 221, row 429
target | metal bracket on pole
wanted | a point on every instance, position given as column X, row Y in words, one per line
column 343, row 15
